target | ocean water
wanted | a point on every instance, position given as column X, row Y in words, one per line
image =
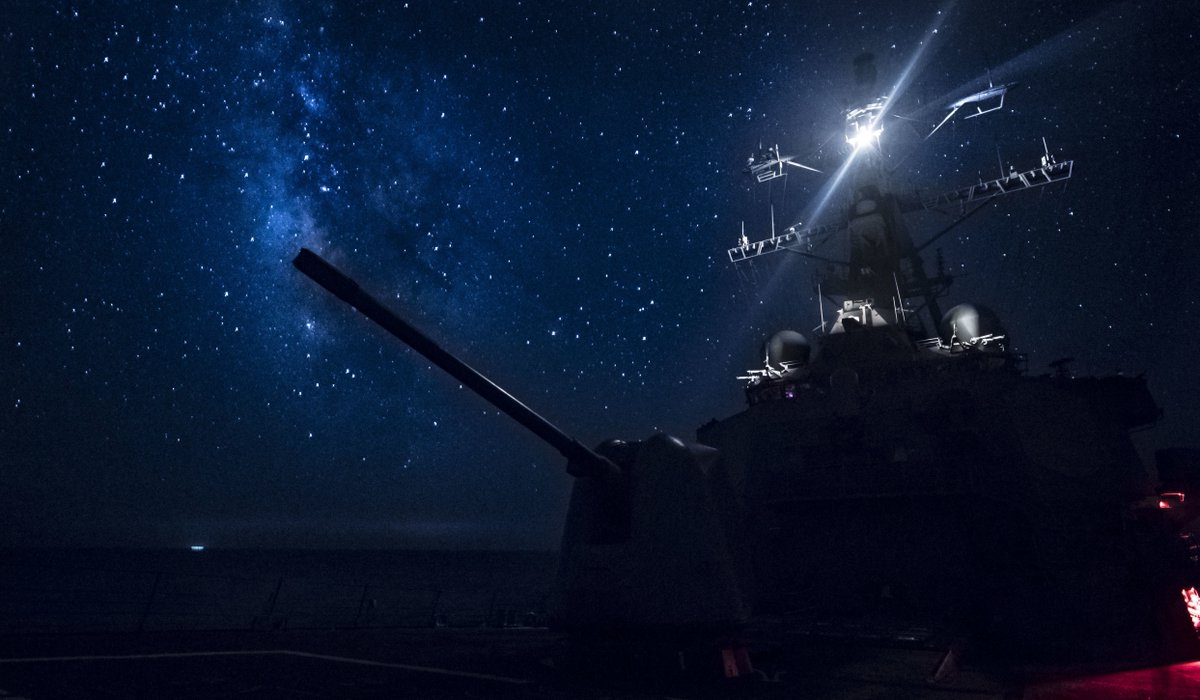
column 79, row 590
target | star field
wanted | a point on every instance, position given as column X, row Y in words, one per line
column 547, row 188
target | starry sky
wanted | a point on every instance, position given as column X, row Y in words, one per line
column 548, row 188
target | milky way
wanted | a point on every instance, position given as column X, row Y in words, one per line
column 547, row 188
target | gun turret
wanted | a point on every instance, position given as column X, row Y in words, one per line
column 581, row 461
column 647, row 546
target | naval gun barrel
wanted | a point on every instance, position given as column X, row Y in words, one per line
column 581, row 461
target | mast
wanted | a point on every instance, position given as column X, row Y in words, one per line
column 882, row 260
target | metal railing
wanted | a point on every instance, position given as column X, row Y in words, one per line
column 49, row 599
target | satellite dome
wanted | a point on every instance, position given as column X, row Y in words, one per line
column 965, row 322
column 864, row 207
column 787, row 346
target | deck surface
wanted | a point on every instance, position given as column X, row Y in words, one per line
column 441, row 663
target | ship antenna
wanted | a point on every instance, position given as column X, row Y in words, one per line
column 821, row 306
column 773, row 219
column 900, row 311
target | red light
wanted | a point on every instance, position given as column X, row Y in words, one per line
column 1176, row 681
column 1192, row 600
column 1170, row 499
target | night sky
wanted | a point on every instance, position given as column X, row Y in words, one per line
column 549, row 189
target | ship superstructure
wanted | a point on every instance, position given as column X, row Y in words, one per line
column 901, row 465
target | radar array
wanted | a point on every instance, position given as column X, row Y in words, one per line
column 883, row 259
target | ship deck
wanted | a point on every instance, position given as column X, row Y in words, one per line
column 509, row 663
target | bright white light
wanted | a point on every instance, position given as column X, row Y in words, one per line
column 864, row 137
column 864, row 124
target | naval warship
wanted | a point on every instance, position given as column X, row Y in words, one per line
column 898, row 476
column 903, row 464
column 901, row 510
